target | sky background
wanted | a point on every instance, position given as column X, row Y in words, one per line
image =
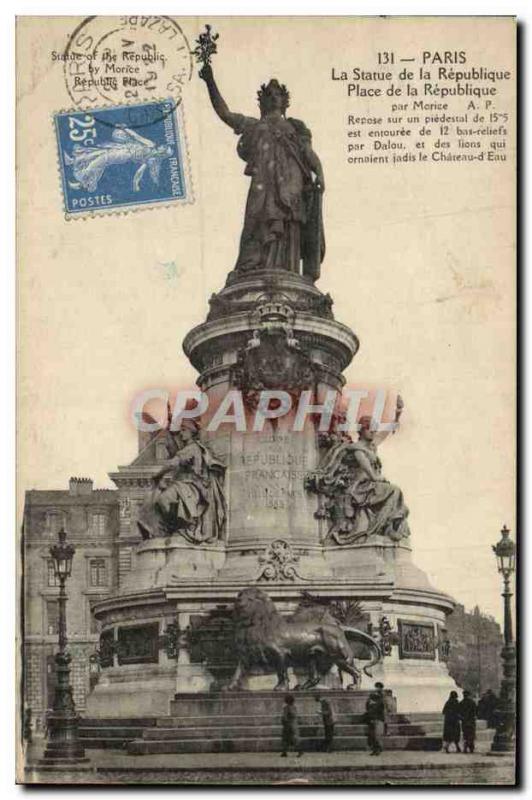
column 420, row 263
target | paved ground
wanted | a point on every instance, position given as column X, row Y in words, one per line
column 398, row 767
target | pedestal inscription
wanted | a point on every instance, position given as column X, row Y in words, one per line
column 274, row 474
column 266, row 489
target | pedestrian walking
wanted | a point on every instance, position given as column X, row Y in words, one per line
column 468, row 715
column 451, row 723
column 375, row 722
column 487, row 708
column 290, row 726
column 327, row 715
column 387, row 702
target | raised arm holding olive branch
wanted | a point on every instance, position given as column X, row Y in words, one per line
column 283, row 226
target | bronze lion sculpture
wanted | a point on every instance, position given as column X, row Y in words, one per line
column 310, row 638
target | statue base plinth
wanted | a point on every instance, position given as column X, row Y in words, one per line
column 161, row 562
column 419, row 686
column 139, row 691
column 265, row 330
column 380, row 577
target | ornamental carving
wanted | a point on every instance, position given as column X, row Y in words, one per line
column 355, row 499
column 444, row 644
column 273, row 357
column 319, row 305
column 133, row 614
column 387, row 636
column 417, row 640
column 137, row 644
column 347, row 612
column 187, row 497
column 171, row 640
column 106, row 651
column 210, row 640
column 279, row 563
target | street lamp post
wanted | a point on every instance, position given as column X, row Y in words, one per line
column 504, row 739
column 63, row 747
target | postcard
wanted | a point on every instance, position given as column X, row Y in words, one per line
column 266, row 400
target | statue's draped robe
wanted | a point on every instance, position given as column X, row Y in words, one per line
column 282, row 224
column 188, row 498
column 382, row 501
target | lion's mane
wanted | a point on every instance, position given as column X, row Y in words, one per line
column 256, row 620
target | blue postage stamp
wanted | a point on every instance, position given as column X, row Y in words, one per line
column 121, row 157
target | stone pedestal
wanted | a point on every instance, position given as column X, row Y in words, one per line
column 191, row 677
column 269, row 330
column 162, row 562
column 127, row 692
column 419, row 686
column 264, row 331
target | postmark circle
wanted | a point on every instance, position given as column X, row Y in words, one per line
column 126, row 60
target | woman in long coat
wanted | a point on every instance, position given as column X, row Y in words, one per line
column 451, row 723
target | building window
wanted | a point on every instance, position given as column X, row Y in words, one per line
column 53, row 580
column 55, row 520
column 52, row 617
column 98, row 572
column 98, row 523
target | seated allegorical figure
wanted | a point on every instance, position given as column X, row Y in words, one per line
column 358, row 501
column 187, row 498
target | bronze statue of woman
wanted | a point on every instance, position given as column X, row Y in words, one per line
column 283, row 224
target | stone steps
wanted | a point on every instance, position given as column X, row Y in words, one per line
column 172, row 721
column 265, row 719
column 119, row 736
column 245, row 744
column 304, row 719
column 262, row 703
column 427, row 743
column 272, row 731
column 123, row 722
column 251, row 722
column 109, row 732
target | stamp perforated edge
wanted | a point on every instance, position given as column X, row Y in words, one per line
column 188, row 199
